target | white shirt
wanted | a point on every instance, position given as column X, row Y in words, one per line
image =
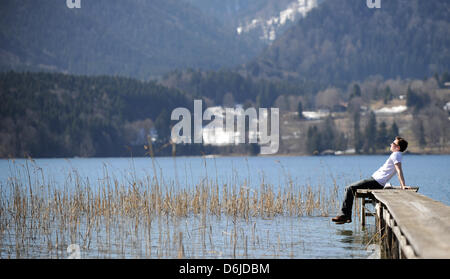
column 386, row 171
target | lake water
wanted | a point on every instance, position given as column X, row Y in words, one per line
column 224, row 237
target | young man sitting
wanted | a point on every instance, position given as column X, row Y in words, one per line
column 377, row 181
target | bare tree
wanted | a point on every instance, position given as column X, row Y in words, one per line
column 328, row 98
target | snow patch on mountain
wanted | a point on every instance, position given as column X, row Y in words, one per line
column 270, row 27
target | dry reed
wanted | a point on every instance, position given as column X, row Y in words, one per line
column 118, row 217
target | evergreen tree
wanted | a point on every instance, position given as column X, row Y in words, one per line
column 313, row 140
column 393, row 132
column 262, row 100
column 382, row 136
column 255, row 149
column 387, row 95
column 341, row 142
column 416, row 101
column 356, row 91
column 300, row 110
column 438, row 80
column 162, row 125
column 445, row 78
column 328, row 135
column 412, row 99
column 420, row 134
column 357, row 141
column 370, row 134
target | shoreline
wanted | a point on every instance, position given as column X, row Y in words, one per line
column 211, row 156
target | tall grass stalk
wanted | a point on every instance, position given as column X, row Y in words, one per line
column 40, row 218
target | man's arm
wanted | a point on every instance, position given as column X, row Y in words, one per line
column 398, row 168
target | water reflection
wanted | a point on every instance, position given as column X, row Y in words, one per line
column 356, row 238
column 214, row 237
column 347, row 236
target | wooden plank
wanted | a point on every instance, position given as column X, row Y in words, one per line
column 412, row 188
column 363, row 212
column 424, row 222
column 403, row 244
column 360, row 193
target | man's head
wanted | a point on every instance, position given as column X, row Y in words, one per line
column 399, row 144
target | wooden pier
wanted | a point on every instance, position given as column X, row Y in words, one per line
column 411, row 225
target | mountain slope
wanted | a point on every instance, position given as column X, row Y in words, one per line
column 132, row 38
column 344, row 40
column 260, row 21
column 54, row 115
column 270, row 26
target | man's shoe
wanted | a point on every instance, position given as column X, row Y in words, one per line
column 342, row 219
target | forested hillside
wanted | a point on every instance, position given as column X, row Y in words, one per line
column 56, row 115
column 59, row 115
column 113, row 37
column 260, row 21
column 343, row 41
column 353, row 70
column 228, row 88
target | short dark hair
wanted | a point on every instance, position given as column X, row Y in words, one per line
column 402, row 143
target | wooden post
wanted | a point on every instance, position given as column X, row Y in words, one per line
column 388, row 231
column 410, row 225
column 379, row 218
column 363, row 212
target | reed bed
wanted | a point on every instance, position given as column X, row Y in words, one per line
column 149, row 218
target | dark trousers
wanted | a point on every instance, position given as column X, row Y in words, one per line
column 350, row 191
